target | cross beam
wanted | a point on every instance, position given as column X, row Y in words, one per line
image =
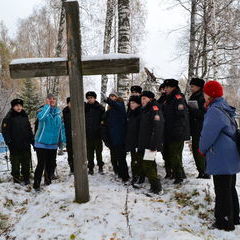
column 96, row 65
column 75, row 67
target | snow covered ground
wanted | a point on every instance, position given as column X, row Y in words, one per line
column 115, row 212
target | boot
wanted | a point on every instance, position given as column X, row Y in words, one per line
column 91, row 171
column 134, row 179
column 100, row 170
column 141, row 180
column 178, row 181
column 156, row 186
column 169, row 174
column 16, row 180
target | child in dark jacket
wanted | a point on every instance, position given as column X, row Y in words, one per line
column 133, row 124
column 115, row 134
column 150, row 137
column 18, row 136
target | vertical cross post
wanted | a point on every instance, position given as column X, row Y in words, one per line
column 77, row 101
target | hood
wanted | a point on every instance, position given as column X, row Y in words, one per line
column 220, row 102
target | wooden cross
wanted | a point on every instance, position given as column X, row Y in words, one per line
column 75, row 67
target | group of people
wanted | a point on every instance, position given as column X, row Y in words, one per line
column 143, row 127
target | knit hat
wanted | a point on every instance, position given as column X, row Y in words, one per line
column 136, row 99
column 148, row 94
column 113, row 94
column 91, row 94
column 197, row 82
column 50, row 95
column 171, row 82
column 162, row 86
column 136, row 88
column 213, row 89
column 16, row 101
column 68, row 100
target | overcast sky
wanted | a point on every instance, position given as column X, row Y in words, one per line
column 159, row 48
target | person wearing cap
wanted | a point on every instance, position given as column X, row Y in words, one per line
column 162, row 98
column 196, row 117
column 114, row 134
column 150, row 137
column 18, row 136
column 94, row 113
column 176, row 129
column 49, row 136
column 136, row 90
column 218, row 144
column 133, row 124
column 68, row 132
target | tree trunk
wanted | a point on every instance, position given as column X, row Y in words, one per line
column 123, row 42
column 107, row 39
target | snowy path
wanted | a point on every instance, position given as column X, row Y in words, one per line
column 182, row 213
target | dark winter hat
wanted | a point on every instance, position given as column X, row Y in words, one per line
column 213, row 89
column 162, row 86
column 16, row 101
column 91, row 94
column 171, row 82
column 68, row 100
column 136, row 99
column 50, row 95
column 148, row 94
column 197, row 82
column 136, row 88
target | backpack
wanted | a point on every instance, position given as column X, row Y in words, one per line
column 236, row 137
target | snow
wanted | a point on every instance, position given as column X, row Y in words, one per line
column 183, row 212
column 84, row 58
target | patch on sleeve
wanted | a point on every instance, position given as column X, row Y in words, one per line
column 157, row 118
column 181, row 107
column 4, row 125
column 155, row 108
column 178, row 96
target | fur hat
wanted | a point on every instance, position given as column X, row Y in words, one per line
column 136, row 99
column 91, row 94
column 113, row 94
column 16, row 101
column 197, row 82
column 171, row 82
column 213, row 89
column 148, row 94
column 136, row 88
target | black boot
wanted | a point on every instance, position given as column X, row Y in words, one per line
column 100, row 170
column 134, row 179
column 178, row 181
column 156, row 186
column 141, row 180
column 90, row 171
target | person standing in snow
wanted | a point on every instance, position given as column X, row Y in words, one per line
column 196, row 117
column 68, row 132
column 176, row 130
column 150, row 138
column 114, row 134
column 49, row 136
column 94, row 113
column 162, row 98
column 18, row 136
column 133, row 124
column 218, row 143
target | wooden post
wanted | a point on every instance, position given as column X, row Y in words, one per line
column 77, row 101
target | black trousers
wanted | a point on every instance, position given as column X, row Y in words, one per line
column 119, row 163
column 94, row 145
column 47, row 163
column 70, row 156
column 226, row 202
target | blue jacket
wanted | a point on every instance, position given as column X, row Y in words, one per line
column 222, row 157
column 50, row 127
column 116, row 122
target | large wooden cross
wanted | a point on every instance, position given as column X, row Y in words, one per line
column 75, row 67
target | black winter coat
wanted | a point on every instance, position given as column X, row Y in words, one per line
column 176, row 117
column 151, row 127
column 197, row 115
column 17, row 131
column 67, row 124
column 162, row 99
column 133, row 124
column 115, row 123
column 94, row 116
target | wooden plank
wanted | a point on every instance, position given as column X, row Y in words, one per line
column 77, row 102
column 31, row 68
